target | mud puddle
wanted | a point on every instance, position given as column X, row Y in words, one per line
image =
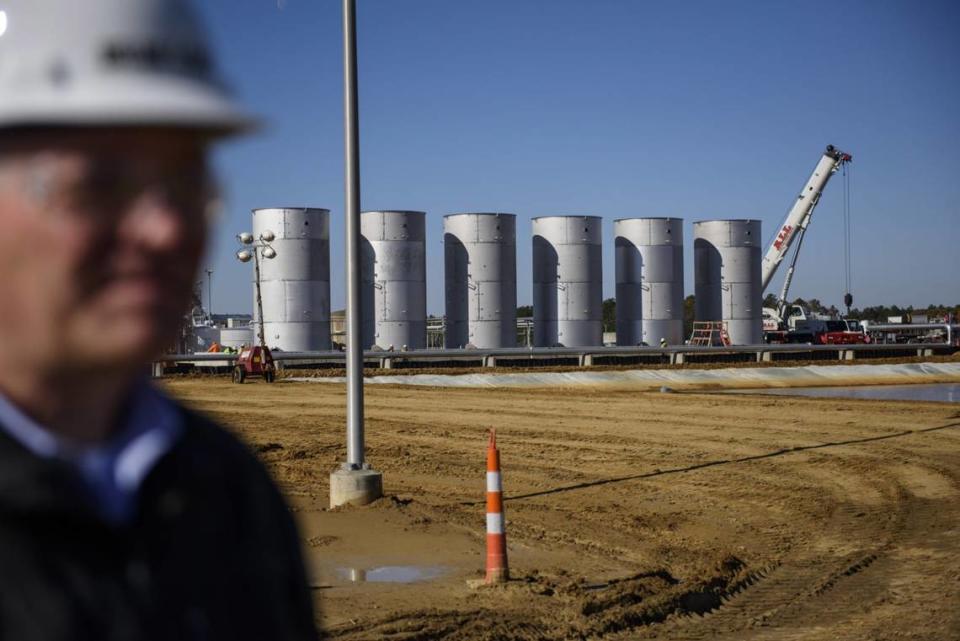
column 392, row 574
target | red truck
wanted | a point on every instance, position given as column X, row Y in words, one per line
column 842, row 332
column 821, row 332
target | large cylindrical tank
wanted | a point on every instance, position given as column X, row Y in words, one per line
column 237, row 337
column 727, row 257
column 295, row 285
column 567, row 281
column 394, row 299
column 480, row 269
column 649, row 263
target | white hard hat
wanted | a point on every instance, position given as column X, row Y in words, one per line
column 110, row 63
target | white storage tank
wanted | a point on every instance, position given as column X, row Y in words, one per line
column 394, row 297
column 649, row 265
column 295, row 285
column 567, row 281
column 237, row 337
column 480, row 270
column 727, row 256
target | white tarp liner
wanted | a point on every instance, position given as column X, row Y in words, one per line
column 742, row 377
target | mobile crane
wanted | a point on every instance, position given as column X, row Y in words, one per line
column 792, row 231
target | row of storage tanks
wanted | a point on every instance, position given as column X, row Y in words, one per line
column 480, row 269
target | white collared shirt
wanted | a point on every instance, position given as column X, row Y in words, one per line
column 114, row 469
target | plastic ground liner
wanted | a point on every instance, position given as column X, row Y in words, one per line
column 807, row 376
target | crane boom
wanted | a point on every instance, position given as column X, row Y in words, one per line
column 799, row 216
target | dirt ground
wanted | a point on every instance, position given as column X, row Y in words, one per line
column 630, row 514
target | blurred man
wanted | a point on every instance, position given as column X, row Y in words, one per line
column 122, row 515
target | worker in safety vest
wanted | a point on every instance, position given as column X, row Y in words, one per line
column 663, row 342
column 123, row 515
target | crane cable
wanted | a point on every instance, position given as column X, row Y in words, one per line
column 847, row 266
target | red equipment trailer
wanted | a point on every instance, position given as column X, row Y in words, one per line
column 254, row 361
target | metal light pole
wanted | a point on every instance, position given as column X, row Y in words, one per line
column 351, row 169
column 354, row 482
column 261, row 332
column 257, row 247
column 210, row 293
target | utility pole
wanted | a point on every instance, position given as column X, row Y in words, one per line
column 354, row 481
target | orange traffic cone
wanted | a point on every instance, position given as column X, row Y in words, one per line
column 496, row 536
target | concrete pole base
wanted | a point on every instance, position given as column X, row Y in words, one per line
column 355, row 487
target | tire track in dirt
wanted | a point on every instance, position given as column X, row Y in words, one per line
column 834, row 590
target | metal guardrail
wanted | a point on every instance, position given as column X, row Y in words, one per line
column 585, row 355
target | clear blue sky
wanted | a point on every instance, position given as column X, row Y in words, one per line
column 613, row 108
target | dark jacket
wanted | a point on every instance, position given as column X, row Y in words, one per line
column 212, row 553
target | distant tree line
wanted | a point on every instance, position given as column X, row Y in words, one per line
column 876, row 313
